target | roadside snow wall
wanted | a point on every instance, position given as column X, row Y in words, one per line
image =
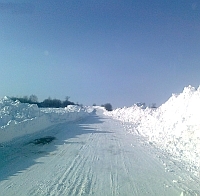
column 173, row 127
column 18, row 119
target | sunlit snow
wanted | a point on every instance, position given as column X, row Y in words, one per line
column 99, row 155
column 18, row 119
column 174, row 126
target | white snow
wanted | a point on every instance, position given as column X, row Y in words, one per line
column 18, row 119
column 94, row 155
column 173, row 127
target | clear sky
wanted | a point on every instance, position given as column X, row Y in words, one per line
column 116, row 51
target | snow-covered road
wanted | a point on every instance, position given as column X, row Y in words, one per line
column 95, row 156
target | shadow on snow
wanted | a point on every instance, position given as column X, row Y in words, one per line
column 22, row 153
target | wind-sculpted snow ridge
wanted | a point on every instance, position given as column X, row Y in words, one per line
column 173, row 127
column 18, row 119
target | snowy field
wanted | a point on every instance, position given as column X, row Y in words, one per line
column 173, row 127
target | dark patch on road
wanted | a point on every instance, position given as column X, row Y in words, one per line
column 43, row 140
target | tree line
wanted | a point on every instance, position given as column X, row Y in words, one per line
column 53, row 103
column 47, row 103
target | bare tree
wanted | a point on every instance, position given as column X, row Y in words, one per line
column 67, row 98
column 33, row 98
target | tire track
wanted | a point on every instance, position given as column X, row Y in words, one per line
column 71, row 178
column 101, row 159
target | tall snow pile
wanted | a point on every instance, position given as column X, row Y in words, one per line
column 18, row 119
column 174, row 126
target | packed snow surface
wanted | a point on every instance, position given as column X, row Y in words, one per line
column 19, row 119
column 173, row 127
column 94, row 156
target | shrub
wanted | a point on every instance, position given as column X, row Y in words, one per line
column 107, row 106
column 47, row 103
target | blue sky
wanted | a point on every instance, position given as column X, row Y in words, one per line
column 116, row 51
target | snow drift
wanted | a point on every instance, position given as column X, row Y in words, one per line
column 174, row 126
column 18, row 119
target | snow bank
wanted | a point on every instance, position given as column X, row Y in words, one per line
column 18, row 119
column 174, row 126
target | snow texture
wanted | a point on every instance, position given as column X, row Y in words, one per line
column 18, row 119
column 173, row 127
